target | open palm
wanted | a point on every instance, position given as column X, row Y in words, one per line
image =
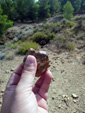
column 20, row 96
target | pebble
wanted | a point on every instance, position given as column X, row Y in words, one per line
column 53, row 79
column 53, row 98
column 65, row 96
column 7, row 71
column 62, row 71
column 74, row 96
column 12, row 69
column 62, row 61
column 83, row 62
column 59, row 106
column 2, row 91
column 74, row 101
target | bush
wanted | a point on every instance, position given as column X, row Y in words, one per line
column 79, row 17
column 66, row 23
column 52, row 27
column 58, row 24
column 50, row 36
column 37, row 37
column 71, row 46
column 78, row 28
column 61, row 41
column 14, row 45
column 71, row 24
column 25, row 46
column 55, row 38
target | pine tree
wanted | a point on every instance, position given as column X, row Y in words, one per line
column 68, row 10
column 44, row 8
column 77, row 5
column 54, row 6
column 83, row 6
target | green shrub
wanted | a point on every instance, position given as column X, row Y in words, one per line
column 71, row 46
column 48, row 25
column 79, row 17
column 78, row 28
column 37, row 37
column 14, row 45
column 50, row 36
column 66, row 23
column 71, row 24
column 61, row 41
column 52, row 27
column 55, row 38
column 58, row 24
column 65, row 43
column 25, row 46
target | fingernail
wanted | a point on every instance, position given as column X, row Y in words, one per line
column 29, row 60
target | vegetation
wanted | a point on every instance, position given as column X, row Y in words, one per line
column 71, row 46
column 63, row 42
column 25, row 46
column 26, row 10
column 23, row 10
column 37, row 37
column 40, row 36
column 4, row 23
column 68, row 10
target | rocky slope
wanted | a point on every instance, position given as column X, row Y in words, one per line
column 67, row 89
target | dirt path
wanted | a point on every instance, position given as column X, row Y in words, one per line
column 68, row 78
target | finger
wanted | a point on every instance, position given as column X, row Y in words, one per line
column 45, row 85
column 28, row 73
column 39, row 83
column 14, row 79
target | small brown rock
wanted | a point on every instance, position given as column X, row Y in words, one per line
column 42, row 61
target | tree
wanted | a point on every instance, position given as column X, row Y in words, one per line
column 44, row 8
column 62, row 2
column 25, row 10
column 54, row 6
column 83, row 6
column 68, row 10
column 4, row 23
column 76, row 4
column 32, row 12
column 7, row 6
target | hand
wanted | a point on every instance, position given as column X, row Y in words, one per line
column 20, row 97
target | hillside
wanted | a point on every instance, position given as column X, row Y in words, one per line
column 65, row 45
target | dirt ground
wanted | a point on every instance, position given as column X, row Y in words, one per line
column 67, row 89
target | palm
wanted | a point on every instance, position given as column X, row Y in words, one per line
column 39, row 93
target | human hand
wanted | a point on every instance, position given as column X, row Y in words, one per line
column 20, row 97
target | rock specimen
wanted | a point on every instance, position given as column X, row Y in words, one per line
column 42, row 61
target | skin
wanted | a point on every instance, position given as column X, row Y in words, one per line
column 20, row 96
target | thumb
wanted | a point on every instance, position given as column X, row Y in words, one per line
column 28, row 74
